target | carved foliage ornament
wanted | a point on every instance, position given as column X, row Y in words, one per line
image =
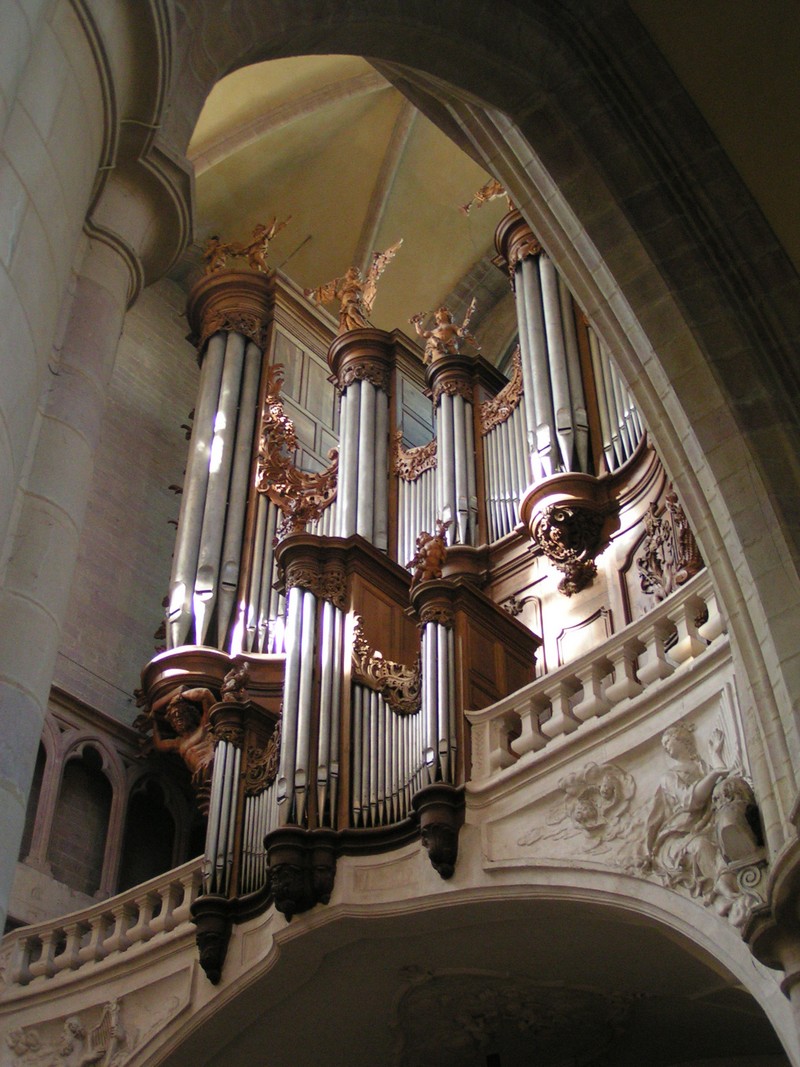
column 248, row 324
column 363, row 370
column 328, row 582
column 670, row 556
column 301, row 496
column 262, row 764
column 452, row 387
column 399, row 685
column 409, row 464
column 569, row 536
column 438, row 613
column 501, row 407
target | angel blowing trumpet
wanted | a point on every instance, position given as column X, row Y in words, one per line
column 355, row 293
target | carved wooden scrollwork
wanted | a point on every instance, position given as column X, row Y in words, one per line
column 301, row 496
column 451, row 387
column 326, row 582
column 670, row 556
column 399, row 685
column 501, row 407
column 364, row 370
column 569, row 536
column 410, row 463
column 437, row 612
column 262, row 764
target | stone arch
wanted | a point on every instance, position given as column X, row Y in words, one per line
column 579, row 115
column 544, row 921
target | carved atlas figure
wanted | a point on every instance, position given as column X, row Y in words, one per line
column 355, row 292
column 446, row 336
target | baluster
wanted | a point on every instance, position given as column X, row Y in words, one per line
column 562, row 720
column 531, row 739
column 715, row 623
column 625, row 684
column 653, row 662
column 44, row 966
column 593, row 701
column 689, row 643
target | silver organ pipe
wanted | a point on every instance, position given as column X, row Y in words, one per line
column 217, row 489
column 190, row 520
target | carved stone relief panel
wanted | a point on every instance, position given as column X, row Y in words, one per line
column 457, row 1019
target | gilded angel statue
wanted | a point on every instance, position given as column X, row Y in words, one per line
column 355, row 293
column 446, row 336
column 216, row 254
column 256, row 250
column 490, row 191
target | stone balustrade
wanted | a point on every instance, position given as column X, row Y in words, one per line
column 158, row 907
column 624, row 667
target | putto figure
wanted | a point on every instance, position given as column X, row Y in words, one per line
column 431, row 552
column 355, row 293
column 217, row 253
column 446, row 337
column 490, row 191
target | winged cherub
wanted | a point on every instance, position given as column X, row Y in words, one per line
column 355, row 293
column 446, row 336
column 256, row 250
column 490, row 191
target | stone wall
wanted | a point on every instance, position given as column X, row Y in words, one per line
column 127, row 541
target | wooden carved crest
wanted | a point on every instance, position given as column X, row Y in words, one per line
column 670, row 555
column 400, row 686
column 569, row 536
column 410, row 463
column 501, row 407
column 300, row 495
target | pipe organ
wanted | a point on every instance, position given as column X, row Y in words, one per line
column 349, row 732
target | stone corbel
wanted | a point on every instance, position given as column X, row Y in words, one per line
column 212, row 916
column 565, row 516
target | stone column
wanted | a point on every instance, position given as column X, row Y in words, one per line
column 49, row 512
column 361, row 362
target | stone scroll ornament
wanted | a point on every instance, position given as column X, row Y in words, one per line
column 355, row 292
column 702, row 834
column 569, row 536
column 399, row 685
column 670, row 556
column 300, row 495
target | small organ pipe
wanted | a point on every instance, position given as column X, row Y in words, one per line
column 451, row 686
column 291, row 689
column 602, row 406
column 365, row 504
column 461, row 493
column 254, row 584
column 381, row 520
column 304, row 700
column 190, row 521
column 580, row 418
column 442, row 700
column 357, row 754
column 336, row 708
column 267, row 592
column 325, row 701
column 237, row 499
column 472, row 483
column 543, row 399
column 219, row 473
column 447, row 504
column 526, row 360
column 349, row 417
column 557, row 360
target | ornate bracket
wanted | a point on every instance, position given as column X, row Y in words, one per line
column 302, row 868
column 670, row 556
column 409, row 464
column 440, row 810
column 301, row 496
column 501, row 407
column 569, row 535
column 399, row 685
